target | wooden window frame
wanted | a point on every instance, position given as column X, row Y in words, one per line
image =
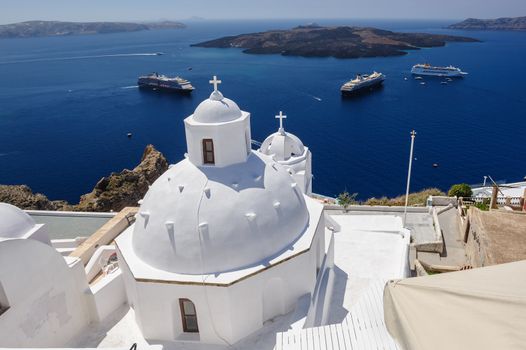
column 205, row 152
column 184, row 316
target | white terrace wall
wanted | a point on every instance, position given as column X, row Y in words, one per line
column 46, row 296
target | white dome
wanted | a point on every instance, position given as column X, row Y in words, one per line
column 14, row 222
column 216, row 109
column 282, row 145
column 201, row 220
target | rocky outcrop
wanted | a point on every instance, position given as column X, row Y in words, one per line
column 111, row 193
column 31, row 29
column 125, row 189
column 340, row 42
column 23, row 197
column 504, row 23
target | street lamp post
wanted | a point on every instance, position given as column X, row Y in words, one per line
column 413, row 135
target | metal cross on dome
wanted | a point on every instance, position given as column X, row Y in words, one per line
column 281, row 116
column 215, row 82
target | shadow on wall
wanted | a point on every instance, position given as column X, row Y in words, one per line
column 235, row 174
column 336, row 312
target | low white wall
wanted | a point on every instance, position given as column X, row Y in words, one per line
column 320, row 301
column 107, row 295
column 101, row 255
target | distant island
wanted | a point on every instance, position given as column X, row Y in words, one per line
column 31, row 29
column 505, row 23
column 340, row 42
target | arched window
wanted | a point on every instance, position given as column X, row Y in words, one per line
column 208, row 151
column 188, row 316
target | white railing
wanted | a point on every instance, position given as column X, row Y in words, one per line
column 500, row 200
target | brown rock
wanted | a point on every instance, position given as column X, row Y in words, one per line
column 125, row 189
column 23, row 197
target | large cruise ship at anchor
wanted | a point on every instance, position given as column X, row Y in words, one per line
column 156, row 81
column 427, row 69
column 361, row 83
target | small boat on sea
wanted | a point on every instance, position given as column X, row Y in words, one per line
column 427, row 69
column 156, row 81
column 362, row 83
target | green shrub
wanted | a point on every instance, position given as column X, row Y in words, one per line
column 484, row 205
column 460, row 190
column 345, row 199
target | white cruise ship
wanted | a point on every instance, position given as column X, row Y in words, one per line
column 156, row 81
column 362, row 82
column 427, row 69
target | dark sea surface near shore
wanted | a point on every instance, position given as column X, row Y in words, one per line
column 67, row 103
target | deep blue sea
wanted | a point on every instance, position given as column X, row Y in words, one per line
column 67, row 103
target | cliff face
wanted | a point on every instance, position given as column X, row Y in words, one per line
column 111, row 193
column 24, row 198
column 126, row 188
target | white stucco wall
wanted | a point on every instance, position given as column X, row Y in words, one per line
column 225, row 314
column 107, row 295
column 229, row 138
column 45, row 293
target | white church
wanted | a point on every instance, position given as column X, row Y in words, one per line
column 226, row 239
column 230, row 249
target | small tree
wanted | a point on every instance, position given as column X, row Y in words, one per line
column 345, row 199
column 460, row 190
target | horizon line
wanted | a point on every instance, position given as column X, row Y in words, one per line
column 200, row 19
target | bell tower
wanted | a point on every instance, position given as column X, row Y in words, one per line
column 218, row 133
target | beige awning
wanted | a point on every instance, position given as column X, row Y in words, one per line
column 483, row 308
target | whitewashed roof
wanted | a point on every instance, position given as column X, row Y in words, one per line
column 200, row 220
column 216, row 109
column 14, row 222
column 282, row 145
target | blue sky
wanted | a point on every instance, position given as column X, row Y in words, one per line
column 141, row 10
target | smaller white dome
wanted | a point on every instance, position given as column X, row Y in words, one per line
column 14, row 222
column 216, row 109
column 282, row 145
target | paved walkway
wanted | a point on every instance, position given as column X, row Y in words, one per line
column 454, row 253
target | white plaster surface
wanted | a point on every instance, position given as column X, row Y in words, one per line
column 367, row 249
column 15, row 223
column 236, row 308
column 45, row 295
column 108, row 295
column 282, row 145
column 223, row 219
column 143, row 270
column 288, row 150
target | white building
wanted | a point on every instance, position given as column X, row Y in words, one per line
column 225, row 240
column 43, row 300
column 288, row 150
